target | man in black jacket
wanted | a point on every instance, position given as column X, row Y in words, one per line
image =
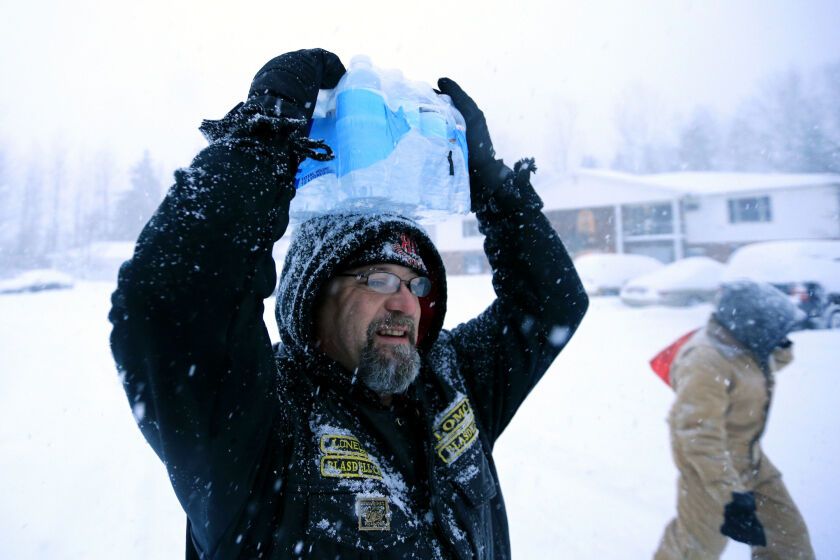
column 368, row 431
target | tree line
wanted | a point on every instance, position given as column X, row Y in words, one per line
column 47, row 208
column 790, row 124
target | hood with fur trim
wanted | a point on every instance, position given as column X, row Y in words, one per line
column 323, row 246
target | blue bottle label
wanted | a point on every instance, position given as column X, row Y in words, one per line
column 310, row 169
column 361, row 130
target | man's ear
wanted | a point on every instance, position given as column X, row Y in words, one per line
column 328, row 290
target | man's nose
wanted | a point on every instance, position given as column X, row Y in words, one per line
column 403, row 301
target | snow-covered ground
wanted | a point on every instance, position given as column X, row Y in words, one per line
column 585, row 465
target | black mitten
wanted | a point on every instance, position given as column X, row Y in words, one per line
column 493, row 186
column 288, row 84
column 487, row 174
column 478, row 137
column 740, row 521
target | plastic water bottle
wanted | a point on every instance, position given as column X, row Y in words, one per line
column 459, row 201
column 317, row 183
column 401, row 97
column 403, row 164
column 362, row 135
column 436, row 170
column 398, row 146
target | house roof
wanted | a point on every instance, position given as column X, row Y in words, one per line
column 588, row 189
column 592, row 188
column 718, row 183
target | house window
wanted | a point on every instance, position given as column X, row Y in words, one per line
column 647, row 219
column 469, row 228
column 754, row 209
column 691, row 203
column 586, row 222
column 475, row 263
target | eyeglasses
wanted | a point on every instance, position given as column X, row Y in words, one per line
column 389, row 283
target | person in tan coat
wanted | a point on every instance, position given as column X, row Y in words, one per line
column 723, row 377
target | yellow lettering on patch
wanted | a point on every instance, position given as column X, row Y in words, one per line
column 462, row 412
column 344, row 466
column 455, row 447
column 456, row 431
column 334, row 444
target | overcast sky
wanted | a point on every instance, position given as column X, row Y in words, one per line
column 129, row 76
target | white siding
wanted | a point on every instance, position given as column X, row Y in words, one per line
column 798, row 213
column 449, row 235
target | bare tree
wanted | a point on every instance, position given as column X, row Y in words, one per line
column 30, row 247
column 699, row 142
column 8, row 217
column 561, row 135
column 93, row 199
column 57, row 185
column 786, row 126
column 103, row 185
column 643, row 129
column 829, row 114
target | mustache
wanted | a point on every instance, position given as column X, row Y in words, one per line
column 393, row 320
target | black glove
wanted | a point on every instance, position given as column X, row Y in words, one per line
column 478, row 137
column 740, row 522
column 492, row 183
column 489, row 172
column 288, row 84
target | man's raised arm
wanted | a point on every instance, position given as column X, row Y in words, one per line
column 188, row 335
column 540, row 300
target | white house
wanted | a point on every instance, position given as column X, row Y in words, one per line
column 723, row 211
column 667, row 216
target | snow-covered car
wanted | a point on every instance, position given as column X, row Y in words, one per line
column 683, row 282
column 36, row 281
column 807, row 271
column 605, row 273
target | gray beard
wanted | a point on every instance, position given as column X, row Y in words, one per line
column 389, row 370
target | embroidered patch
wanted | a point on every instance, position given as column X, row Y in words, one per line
column 335, row 444
column 342, row 456
column 456, row 432
column 373, row 513
column 348, row 466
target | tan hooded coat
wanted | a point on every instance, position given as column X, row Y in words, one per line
column 720, row 413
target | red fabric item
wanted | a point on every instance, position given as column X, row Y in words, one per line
column 661, row 363
column 429, row 307
column 427, row 313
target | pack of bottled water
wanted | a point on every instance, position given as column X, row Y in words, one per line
column 398, row 146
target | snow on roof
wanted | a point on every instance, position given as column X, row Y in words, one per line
column 718, row 182
column 596, row 188
column 588, row 188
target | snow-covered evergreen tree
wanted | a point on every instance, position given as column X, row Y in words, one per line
column 136, row 205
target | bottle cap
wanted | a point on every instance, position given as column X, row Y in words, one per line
column 360, row 60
